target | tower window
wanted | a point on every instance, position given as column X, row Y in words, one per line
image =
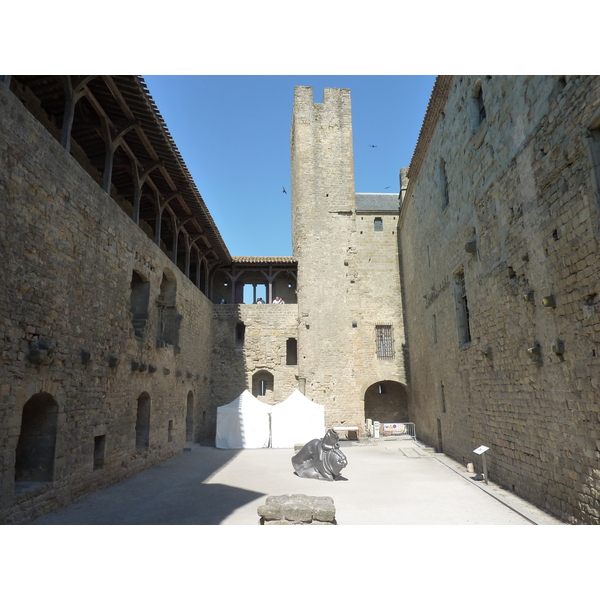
column 240, row 334
column 291, row 347
column 378, row 224
column 384, row 341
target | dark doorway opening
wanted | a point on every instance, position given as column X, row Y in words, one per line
column 34, row 460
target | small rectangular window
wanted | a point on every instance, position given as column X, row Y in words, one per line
column 378, row 224
column 291, row 351
column 240, row 334
column 384, row 341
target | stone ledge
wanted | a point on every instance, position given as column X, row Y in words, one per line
column 297, row 509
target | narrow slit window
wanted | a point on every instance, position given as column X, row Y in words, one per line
column 444, row 184
column 462, row 309
column 480, row 106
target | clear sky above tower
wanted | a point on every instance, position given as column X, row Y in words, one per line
column 233, row 133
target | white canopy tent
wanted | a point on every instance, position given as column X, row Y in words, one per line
column 296, row 420
column 243, row 423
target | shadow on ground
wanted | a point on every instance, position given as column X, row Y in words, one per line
column 163, row 494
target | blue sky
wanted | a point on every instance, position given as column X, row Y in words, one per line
column 233, row 133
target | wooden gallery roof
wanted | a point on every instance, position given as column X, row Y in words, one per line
column 115, row 115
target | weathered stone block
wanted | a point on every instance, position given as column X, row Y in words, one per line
column 297, row 509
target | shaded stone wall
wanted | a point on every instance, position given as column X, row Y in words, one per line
column 66, row 330
column 250, row 341
column 521, row 222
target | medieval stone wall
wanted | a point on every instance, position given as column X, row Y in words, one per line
column 251, row 345
column 520, row 222
column 340, row 300
column 380, row 302
column 69, row 340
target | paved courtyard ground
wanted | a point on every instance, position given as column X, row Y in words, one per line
column 388, row 482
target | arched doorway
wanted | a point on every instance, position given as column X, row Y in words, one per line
column 34, row 460
column 386, row 402
column 142, row 422
column 189, row 418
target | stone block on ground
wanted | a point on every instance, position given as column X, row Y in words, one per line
column 297, row 509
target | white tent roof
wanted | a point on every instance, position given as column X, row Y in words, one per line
column 243, row 423
column 296, row 420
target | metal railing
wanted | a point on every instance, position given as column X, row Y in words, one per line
column 399, row 430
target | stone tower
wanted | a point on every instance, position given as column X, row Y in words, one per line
column 337, row 352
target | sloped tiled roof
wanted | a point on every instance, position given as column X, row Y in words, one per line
column 287, row 260
column 377, row 203
column 437, row 102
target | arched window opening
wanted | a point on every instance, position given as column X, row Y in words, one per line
column 203, row 276
column 189, row 418
column 386, row 402
column 291, row 351
column 138, row 305
column 262, row 384
column 169, row 319
column 255, row 293
column 142, row 422
column 34, row 461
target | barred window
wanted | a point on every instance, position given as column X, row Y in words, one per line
column 384, row 341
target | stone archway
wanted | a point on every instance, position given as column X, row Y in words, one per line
column 387, row 402
column 34, row 457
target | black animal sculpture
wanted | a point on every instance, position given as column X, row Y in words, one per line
column 321, row 459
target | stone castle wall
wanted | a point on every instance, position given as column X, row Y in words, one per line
column 378, row 280
column 339, row 300
column 66, row 330
column 521, row 221
column 250, row 343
